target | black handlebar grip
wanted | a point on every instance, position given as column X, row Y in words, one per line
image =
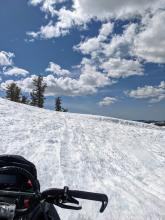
column 90, row 196
column 55, row 193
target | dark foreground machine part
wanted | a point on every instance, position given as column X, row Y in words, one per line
column 21, row 199
column 61, row 197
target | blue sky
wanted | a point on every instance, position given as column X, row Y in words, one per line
column 102, row 58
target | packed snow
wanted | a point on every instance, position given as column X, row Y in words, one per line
column 124, row 159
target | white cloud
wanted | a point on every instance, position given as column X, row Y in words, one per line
column 25, row 84
column 110, row 56
column 153, row 93
column 118, row 8
column 91, row 76
column 66, row 19
column 105, row 30
column 107, row 101
column 102, row 9
column 4, row 85
column 35, row 2
column 121, row 45
column 89, row 45
column 6, row 58
column 15, row 71
column 82, row 11
column 6, row 65
column 57, row 70
column 116, row 68
column 93, row 44
column 67, row 86
column 49, row 31
column 48, row 6
column 150, row 42
column 88, row 83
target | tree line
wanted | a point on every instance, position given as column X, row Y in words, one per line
column 37, row 98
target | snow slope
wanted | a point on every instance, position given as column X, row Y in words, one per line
column 125, row 160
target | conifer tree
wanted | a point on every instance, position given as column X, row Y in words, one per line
column 58, row 105
column 13, row 92
column 24, row 100
column 37, row 95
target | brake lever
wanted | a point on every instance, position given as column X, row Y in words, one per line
column 61, row 205
column 67, row 199
column 73, row 200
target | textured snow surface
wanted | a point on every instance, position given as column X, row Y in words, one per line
column 125, row 160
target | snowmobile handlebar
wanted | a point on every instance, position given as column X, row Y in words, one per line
column 61, row 197
column 13, row 192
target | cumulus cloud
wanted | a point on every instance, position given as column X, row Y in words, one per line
column 66, row 19
column 118, row 8
column 82, row 11
column 57, row 70
column 153, row 93
column 93, row 44
column 116, row 68
column 150, row 42
column 7, row 65
column 88, row 46
column 105, row 30
column 107, row 101
column 101, row 9
column 48, row 6
column 121, row 44
column 25, row 84
column 67, row 86
column 111, row 56
column 91, row 76
column 6, row 58
column 15, row 71
column 5, row 84
column 89, row 81
column 49, row 31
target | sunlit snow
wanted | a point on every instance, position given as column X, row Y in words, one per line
column 125, row 160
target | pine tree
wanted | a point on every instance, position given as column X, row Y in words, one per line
column 13, row 92
column 64, row 110
column 58, row 106
column 37, row 95
column 24, row 100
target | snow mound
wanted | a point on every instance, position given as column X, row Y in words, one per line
column 125, row 160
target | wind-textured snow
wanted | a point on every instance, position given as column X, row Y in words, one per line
column 125, row 160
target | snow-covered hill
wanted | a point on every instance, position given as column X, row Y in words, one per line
column 125, row 160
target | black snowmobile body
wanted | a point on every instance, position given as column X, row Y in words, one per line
column 21, row 199
column 43, row 211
